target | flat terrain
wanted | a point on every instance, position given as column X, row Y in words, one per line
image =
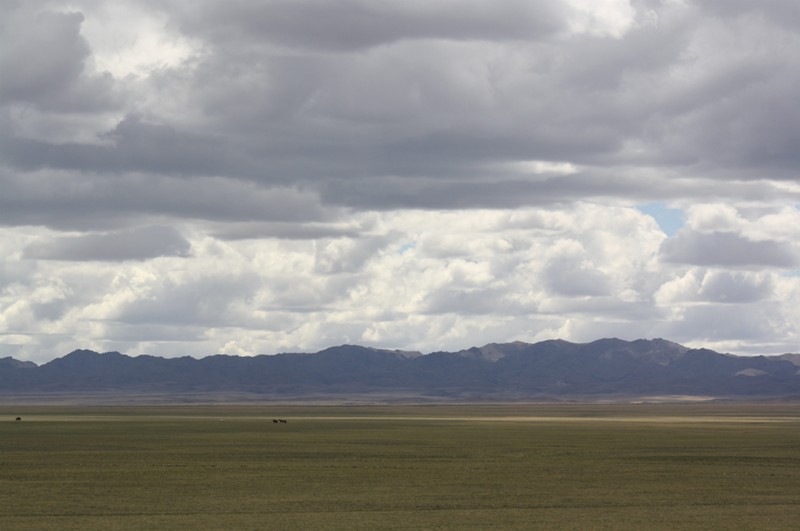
column 614, row 466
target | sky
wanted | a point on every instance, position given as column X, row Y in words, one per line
column 261, row 176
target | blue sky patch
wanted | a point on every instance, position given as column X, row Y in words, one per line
column 669, row 219
column 407, row 247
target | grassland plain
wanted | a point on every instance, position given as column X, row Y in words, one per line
column 612, row 466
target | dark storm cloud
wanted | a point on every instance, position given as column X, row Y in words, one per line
column 40, row 54
column 780, row 11
column 71, row 200
column 728, row 112
column 352, row 24
column 286, row 231
column 744, row 122
column 42, row 60
column 134, row 244
column 422, row 105
column 537, row 190
column 726, row 249
column 133, row 145
column 395, row 193
column 279, row 118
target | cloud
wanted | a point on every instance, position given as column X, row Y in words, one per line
column 42, row 54
column 195, row 301
column 72, row 200
column 411, row 174
column 725, row 287
column 703, row 325
column 134, row 145
column 284, row 230
column 442, row 105
column 727, row 249
column 719, row 287
column 135, row 244
column 779, row 11
column 43, row 57
column 347, row 255
column 468, row 276
column 569, row 271
column 352, row 25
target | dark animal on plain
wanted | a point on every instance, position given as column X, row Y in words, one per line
column 282, row 421
column 19, row 418
column 275, row 421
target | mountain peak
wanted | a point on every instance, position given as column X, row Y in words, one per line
column 497, row 351
column 82, row 356
column 552, row 369
column 16, row 364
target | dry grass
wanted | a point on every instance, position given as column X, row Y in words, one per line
column 690, row 466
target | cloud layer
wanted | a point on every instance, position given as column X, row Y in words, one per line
column 251, row 177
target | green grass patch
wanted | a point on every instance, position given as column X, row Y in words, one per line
column 401, row 467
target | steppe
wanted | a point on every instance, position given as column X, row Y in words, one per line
column 694, row 465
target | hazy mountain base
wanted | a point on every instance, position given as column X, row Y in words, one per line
column 231, row 398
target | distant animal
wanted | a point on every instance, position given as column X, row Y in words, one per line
column 282, row 421
column 275, row 421
column 19, row 418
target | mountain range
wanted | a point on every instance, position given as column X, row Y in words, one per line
column 554, row 369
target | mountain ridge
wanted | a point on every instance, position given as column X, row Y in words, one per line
column 557, row 369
